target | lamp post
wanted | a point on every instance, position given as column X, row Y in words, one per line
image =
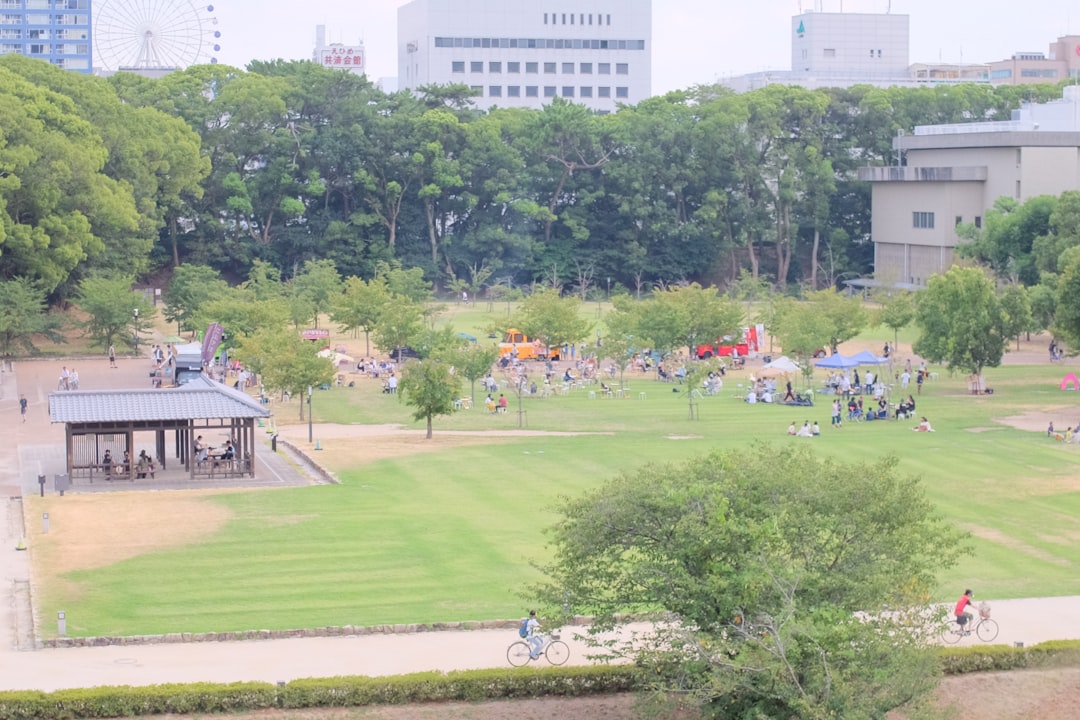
column 609, row 289
column 309, row 433
column 135, row 312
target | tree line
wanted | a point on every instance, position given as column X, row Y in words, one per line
column 287, row 162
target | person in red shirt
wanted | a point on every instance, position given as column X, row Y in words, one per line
column 964, row 618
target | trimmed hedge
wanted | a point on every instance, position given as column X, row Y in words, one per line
column 992, row 658
column 465, row 686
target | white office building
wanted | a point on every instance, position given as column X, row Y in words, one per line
column 515, row 53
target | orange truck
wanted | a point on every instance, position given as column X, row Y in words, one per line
column 517, row 344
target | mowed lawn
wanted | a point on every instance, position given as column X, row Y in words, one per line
column 455, row 534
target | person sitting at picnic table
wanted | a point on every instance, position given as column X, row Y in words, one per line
column 906, row 408
column 489, row 403
column 924, row 426
column 201, row 450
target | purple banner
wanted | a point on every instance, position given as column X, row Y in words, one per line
column 210, row 342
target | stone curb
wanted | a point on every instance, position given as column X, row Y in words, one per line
column 315, row 465
column 342, row 631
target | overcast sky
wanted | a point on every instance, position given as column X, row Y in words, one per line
column 694, row 41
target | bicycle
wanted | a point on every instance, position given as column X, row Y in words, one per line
column 986, row 629
column 555, row 650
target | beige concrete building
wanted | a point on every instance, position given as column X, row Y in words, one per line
column 953, row 174
column 1026, row 68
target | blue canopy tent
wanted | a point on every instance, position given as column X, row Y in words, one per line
column 836, row 361
column 868, row 358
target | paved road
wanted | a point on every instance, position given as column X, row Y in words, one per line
column 1027, row 621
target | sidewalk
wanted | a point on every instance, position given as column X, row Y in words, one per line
column 1027, row 621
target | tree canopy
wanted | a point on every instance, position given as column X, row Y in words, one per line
column 961, row 321
column 763, row 563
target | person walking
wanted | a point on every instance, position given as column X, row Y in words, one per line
column 22, row 407
column 112, row 356
column 836, row 410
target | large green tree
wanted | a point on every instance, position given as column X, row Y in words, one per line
column 763, row 565
column 23, row 315
column 115, row 311
column 961, row 321
column 430, row 388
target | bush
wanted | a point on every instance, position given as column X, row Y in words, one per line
column 196, row 698
column 990, row 658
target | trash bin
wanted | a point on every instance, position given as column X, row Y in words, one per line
column 273, row 442
column 61, row 483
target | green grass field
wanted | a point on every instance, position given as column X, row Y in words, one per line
column 454, row 535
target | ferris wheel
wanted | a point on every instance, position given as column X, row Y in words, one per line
column 154, row 34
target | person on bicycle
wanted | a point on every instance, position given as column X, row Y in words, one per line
column 963, row 617
column 532, row 629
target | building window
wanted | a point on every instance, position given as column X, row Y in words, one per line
column 457, row 66
column 586, row 68
column 513, row 91
column 590, row 18
column 37, row 49
column 494, row 67
column 477, row 90
column 568, row 91
column 532, row 91
column 549, row 91
column 830, row 52
column 978, row 221
column 1017, row 189
column 604, row 92
column 545, row 18
column 586, row 92
column 622, row 68
column 513, row 67
column 549, row 68
column 609, row 20
column 603, row 68
column 568, row 68
column 476, row 66
column 564, row 18
column 923, row 220
column 495, row 91
column 622, row 92
column 959, row 220
column 532, row 68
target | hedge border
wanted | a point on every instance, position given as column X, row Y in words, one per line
column 462, row 686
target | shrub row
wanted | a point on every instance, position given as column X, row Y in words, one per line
column 466, row 686
column 472, row 685
column 989, row 658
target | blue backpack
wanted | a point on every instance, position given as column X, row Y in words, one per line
column 523, row 631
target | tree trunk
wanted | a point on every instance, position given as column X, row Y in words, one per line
column 753, row 257
column 813, row 259
column 428, row 427
column 172, row 237
column 433, row 237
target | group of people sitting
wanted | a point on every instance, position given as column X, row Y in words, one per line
column 143, row 465
column 204, row 453
column 807, row 430
column 495, row 406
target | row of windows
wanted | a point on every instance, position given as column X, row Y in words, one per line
column 35, row 34
column 45, row 4
column 978, row 220
column 495, row 67
column 550, row 91
column 599, row 19
column 539, row 43
column 36, row 19
column 59, row 49
column 922, row 220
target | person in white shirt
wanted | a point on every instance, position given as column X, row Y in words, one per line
column 751, row 397
column 536, row 642
column 805, row 431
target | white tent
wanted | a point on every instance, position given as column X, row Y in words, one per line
column 783, row 364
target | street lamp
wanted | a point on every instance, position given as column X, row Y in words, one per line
column 309, row 433
column 136, row 313
column 609, row 288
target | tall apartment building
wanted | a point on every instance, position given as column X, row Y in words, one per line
column 58, row 31
column 517, row 53
column 954, row 173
